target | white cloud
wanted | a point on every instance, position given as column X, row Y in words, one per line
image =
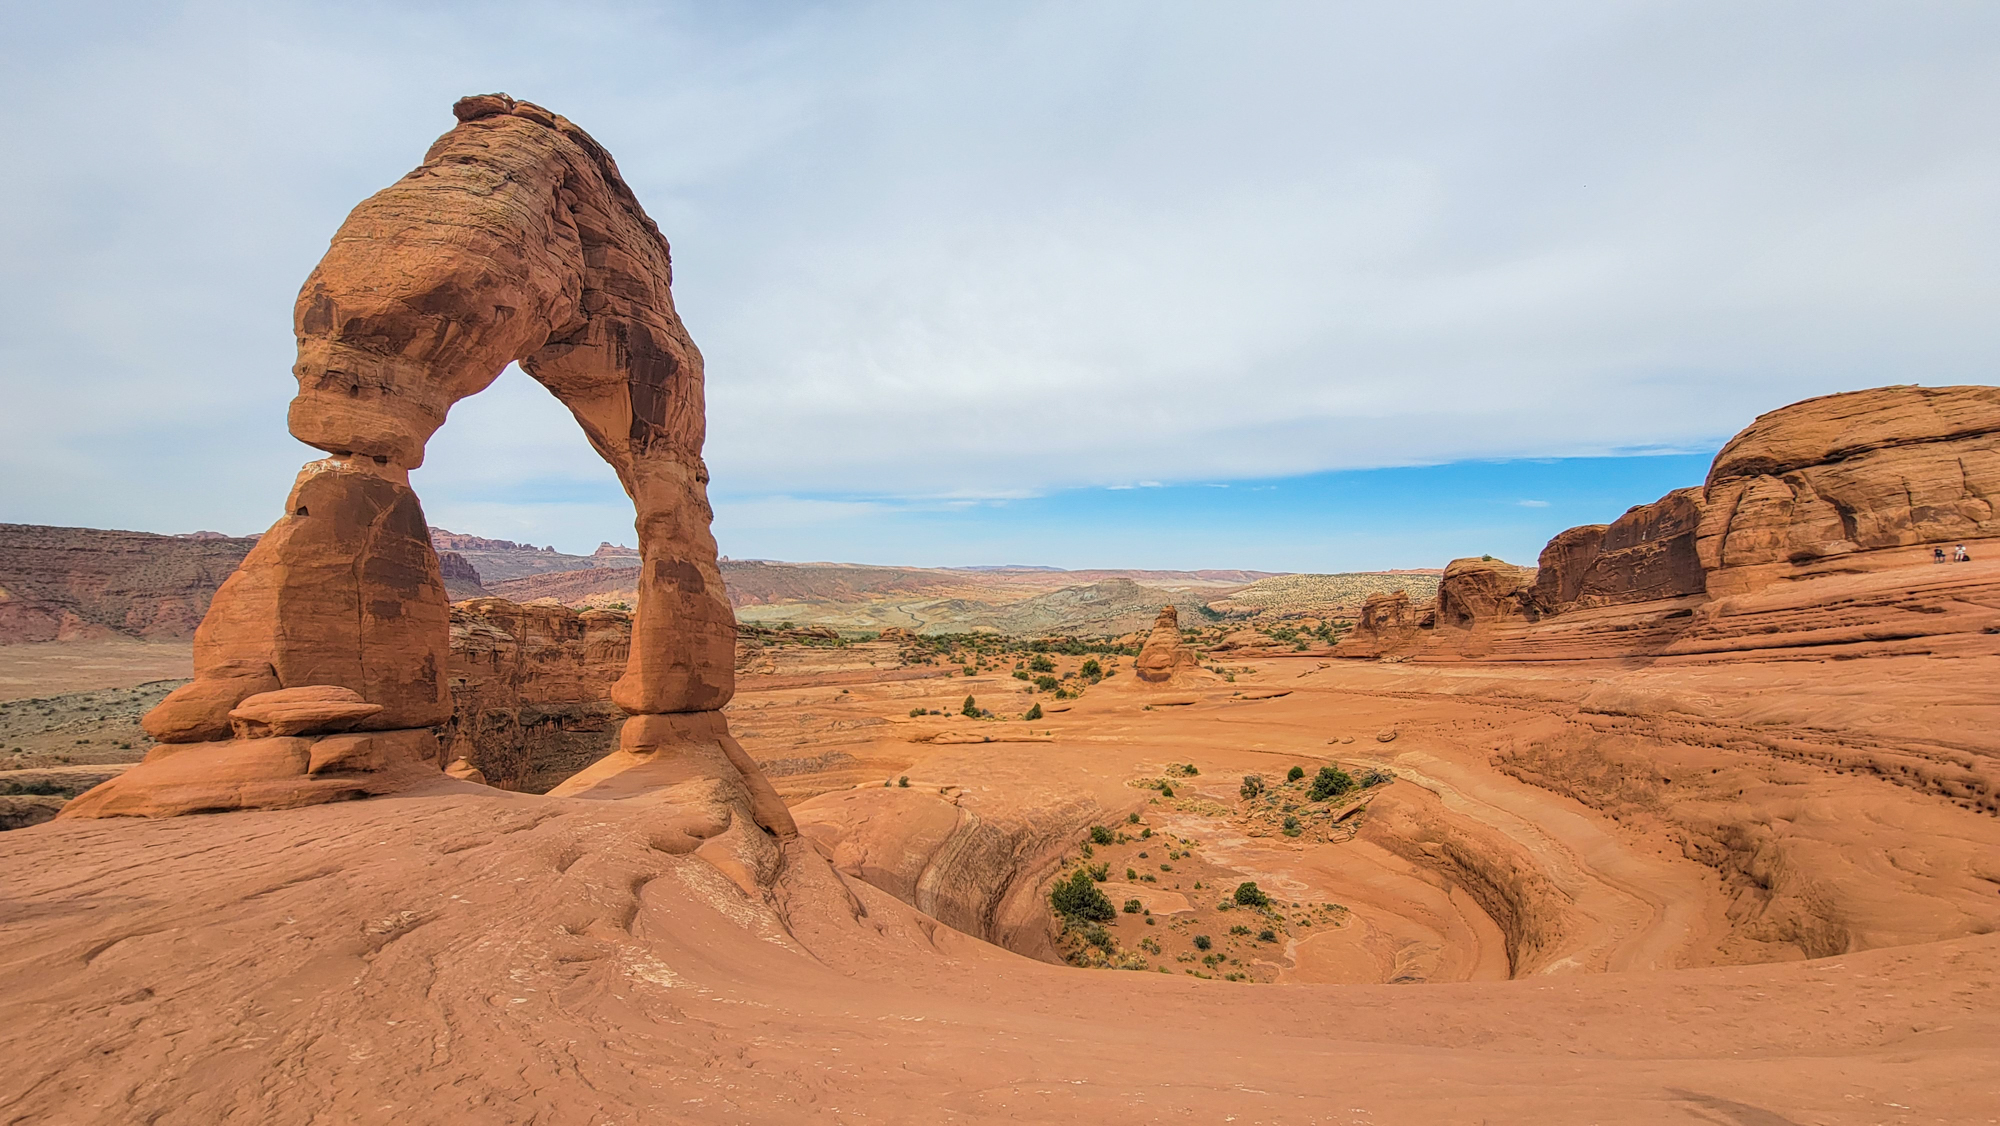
column 1532, row 503
column 963, row 253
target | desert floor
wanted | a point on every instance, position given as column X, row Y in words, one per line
column 1743, row 892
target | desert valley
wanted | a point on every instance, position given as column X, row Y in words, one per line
column 1695, row 818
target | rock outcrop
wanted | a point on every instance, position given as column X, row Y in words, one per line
column 1387, row 623
column 62, row 584
column 531, row 690
column 1865, row 471
column 1482, row 591
column 515, row 240
column 1163, row 654
column 1803, row 538
column 461, row 578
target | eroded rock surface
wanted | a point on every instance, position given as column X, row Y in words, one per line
column 1163, row 654
column 516, row 240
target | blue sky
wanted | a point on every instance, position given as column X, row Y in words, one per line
column 964, row 273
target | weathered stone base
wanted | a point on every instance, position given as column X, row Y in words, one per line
column 657, row 752
column 274, row 773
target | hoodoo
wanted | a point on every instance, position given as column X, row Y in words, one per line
column 515, row 241
column 1163, row 652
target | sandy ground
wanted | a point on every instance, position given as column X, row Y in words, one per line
column 55, row 667
column 1748, row 893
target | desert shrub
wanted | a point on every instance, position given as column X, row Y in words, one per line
column 1099, row 937
column 1146, row 834
column 1330, row 782
column 1291, row 826
column 1239, row 929
column 1374, row 777
column 1150, row 945
column 916, row 711
column 1132, row 873
column 1184, row 770
column 1100, row 872
column 1034, row 712
column 1091, row 670
column 1132, row 818
column 970, row 707
column 1019, row 675
column 1253, row 784
column 1046, row 683
column 1166, row 791
column 1041, row 663
column 1077, row 897
column 1101, row 835
column 1202, row 942
column 1250, row 895
column 1267, row 935
column 1133, row 907
column 1295, row 773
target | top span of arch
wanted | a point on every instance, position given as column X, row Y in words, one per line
column 516, row 239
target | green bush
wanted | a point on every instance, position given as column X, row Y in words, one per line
column 916, row 711
column 1132, row 818
column 1253, row 784
column 1041, row 663
column 1132, row 874
column 1239, row 929
column 1249, row 895
column 1101, row 835
column 1034, row 712
column 1295, row 773
column 1100, row 872
column 1133, row 907
column 1077, row 897
column 904, row 781
column 1091, row 670
column 1019, row 675
column 1047, row 683
column 1201, row 942
column 1331, row 782
column 1291, row 826
column 1267, row 935
column 971, row 708
column 1146, row 834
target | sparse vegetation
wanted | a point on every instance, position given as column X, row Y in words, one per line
column 1077, row 898
column 1248, row 894
column 1101, row 835
column 1331, row 782
column 1253, row 785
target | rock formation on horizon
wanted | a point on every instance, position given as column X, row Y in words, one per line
column 1853, row 484
column 515, row 240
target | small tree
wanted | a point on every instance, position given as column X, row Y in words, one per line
column 1330, row 782
column 1034, row 712
column 1295, row 773
column 1101, row 835
column 1092, row 670
column 1248, row 894
column 1077, row 898
column 971, row 708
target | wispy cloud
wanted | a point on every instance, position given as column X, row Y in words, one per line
column 1532, row 503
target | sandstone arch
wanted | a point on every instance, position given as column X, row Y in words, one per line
column 516, row 240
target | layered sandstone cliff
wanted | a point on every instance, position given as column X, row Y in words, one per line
column 60, row 584
column 531, row 689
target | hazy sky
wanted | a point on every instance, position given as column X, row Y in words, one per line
column 1012, row 282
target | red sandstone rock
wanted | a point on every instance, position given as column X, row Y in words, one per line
column 515, row 241
column 198, row 711
column 531, row 689
column 1861, row 471
column 1481, row 591
column 312, row 710
column 1163, row 652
